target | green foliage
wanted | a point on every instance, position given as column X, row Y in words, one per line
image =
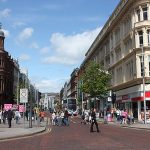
column 95, row 80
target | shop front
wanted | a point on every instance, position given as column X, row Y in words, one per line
column 132, row 100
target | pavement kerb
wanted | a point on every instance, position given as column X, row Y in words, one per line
column 22, row 135
column 123, row 126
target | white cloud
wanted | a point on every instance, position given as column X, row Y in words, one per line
column 24, row 57
column 34, row 45
column 49, row 85
column 45, row 50
column 60, row 60
column 5, row 13
column 70, row 49
column 18, row 23
column 25, row 34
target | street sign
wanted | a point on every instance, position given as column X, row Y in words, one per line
column 23, row 95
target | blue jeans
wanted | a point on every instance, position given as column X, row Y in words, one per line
column 17, row 119
column 66, row 121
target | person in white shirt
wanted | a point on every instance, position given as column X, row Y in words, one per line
column 53, row 118
column 0, row 116
column 17, row 116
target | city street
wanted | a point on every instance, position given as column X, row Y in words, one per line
column 78, row 137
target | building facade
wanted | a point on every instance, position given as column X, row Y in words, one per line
column 6, row 74
column 123, row 48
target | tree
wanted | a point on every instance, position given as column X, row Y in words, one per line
column 95, row 80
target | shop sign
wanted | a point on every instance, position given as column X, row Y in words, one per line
column 125, row 97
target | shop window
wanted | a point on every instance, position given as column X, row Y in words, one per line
column 140, row 38
column 145, row 14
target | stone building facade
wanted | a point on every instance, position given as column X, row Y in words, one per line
column 123, row 48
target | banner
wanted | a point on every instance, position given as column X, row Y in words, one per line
column 21, row 108
column 7, row 106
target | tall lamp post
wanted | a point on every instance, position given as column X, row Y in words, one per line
column 143, row 76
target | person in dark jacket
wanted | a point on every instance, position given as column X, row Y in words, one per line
column 9, row 117
column 66, row 117
column 4, row 116
column 93, row 119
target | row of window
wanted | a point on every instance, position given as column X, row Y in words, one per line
column 129, row 70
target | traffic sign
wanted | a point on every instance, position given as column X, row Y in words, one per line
column 23, row 95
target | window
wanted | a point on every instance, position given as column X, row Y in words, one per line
column 148, row 37
column 142, row 65
column 117, row 36
column 118, row 54
column 145, row 16
column 128, row 45
column 131, row 69
column 138, row 15
column 140, row 38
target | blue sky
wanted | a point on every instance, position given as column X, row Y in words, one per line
column 51, row 37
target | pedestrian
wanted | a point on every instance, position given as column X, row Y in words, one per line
column 27, row 115
column 124, row 115
column 9, row 117
column 42, row 115
column 62, row 118
column 66, row 117
column 118, row 114
column 4, row 114
column 17, row 116
column 53, row 118
column 94, row 121
column 83, row 118
column 0, row 116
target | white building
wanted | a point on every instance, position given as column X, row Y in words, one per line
column 119, row 48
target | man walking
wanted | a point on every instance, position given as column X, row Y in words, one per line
column 93, row 118
column 9, row 117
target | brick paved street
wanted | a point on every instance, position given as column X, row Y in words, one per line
column 78, row 137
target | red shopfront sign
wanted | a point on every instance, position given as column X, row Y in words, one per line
column 141, row 98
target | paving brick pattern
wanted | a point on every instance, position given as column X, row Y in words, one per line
column 78, row 137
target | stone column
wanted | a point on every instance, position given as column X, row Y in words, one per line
column 136, row 39
column 141, row 13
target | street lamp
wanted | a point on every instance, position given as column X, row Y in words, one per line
column 143, row 76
